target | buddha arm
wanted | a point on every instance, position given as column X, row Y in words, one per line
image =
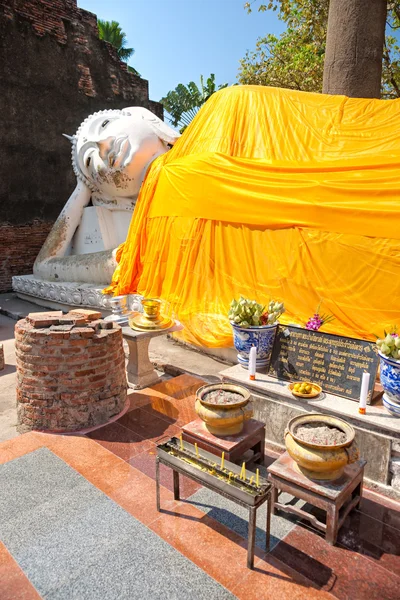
column 94, row 268
column 52, row 264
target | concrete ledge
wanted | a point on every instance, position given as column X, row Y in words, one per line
column 377, row 418
column 376, row 432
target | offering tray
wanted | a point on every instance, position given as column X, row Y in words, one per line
column 314, row 393
column 141, row 322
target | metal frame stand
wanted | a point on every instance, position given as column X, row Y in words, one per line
column 252, row 509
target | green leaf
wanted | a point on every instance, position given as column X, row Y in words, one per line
column 295, row 59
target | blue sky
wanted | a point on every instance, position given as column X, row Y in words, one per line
column 176, row 41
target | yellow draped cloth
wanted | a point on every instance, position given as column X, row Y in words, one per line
column 272, row 193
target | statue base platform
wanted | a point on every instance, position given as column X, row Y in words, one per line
column 63, row 295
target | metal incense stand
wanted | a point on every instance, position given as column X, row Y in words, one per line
column 182, row 458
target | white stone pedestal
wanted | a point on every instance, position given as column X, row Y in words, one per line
column 63, row 295
column 140, row 370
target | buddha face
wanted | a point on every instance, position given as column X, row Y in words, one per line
column 112, row 150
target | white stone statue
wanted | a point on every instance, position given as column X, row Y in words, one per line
column 111, row 152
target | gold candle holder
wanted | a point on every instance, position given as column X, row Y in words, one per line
column 151, row 319
column 151, row 308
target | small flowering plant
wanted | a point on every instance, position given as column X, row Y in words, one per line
column 390, row 345
column 249, row 313
column 317, row 320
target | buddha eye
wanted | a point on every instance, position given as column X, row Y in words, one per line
column 104, row 123
column 88, row 161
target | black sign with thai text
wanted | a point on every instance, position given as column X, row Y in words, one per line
column 336, row 363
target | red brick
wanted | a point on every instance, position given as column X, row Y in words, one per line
column 48, row 341
column 82, row 332
column 100, row 377
column 75, row 320
column 68, row 350
column 85, row 372
column 39, row 320
column 97, row 352
column 24, row 347
column 91, row 315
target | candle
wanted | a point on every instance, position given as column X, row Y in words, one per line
column 257, row 477
column 364, row 393
column 222, row 460
column 180, row 437
column 252, row 363
column 197, row 450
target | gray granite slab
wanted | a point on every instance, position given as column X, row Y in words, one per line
column 236, row 517
column 75, row 543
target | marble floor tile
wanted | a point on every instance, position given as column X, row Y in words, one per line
column 146, row 463
column 180, row 387
column 343, row 573
column 121, row 441
column 222, row 554
column 373, row 539
column 180, row 410
column 18, row 446
column 14, row 584
column 388, row 513
column 149, row 426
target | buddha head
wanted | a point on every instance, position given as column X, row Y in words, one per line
column 112, row 150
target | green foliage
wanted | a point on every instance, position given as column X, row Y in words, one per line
column 110, row 31
column 184, row 101
column 390, row 345
column 295, row 59
column 249, row 313
column 133, row 70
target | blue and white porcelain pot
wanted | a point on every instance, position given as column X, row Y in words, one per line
column 390, row 380
column 262, row 338
column 392, row 407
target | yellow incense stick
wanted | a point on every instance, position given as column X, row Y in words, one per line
column 243, row 472
column 222, row 460
column 251, row 479
column 197, row 450
column 180, row 437
column 257, row 477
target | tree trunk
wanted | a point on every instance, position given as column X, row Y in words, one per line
column 354, row 48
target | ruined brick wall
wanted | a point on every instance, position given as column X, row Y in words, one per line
column 19, row 246
column 70, row 371
column 54, row 71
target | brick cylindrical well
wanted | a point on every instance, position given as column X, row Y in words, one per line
column 70, row 372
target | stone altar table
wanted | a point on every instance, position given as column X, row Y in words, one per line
column 140, row 370
column 252, row 437
column 337, row 498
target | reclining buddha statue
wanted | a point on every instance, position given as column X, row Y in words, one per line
column 111, row 152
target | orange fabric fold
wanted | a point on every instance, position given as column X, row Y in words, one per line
column 273, row 193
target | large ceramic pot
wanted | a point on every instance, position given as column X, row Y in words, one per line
column 262, row 338
column 320, row 461
column 223, row 420
column 390, row 380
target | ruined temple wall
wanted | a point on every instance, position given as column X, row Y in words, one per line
column 54, row 71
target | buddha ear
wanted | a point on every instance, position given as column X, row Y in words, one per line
column 164, row 131
column 161, row 129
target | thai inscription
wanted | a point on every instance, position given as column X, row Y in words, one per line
column 336, row 363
